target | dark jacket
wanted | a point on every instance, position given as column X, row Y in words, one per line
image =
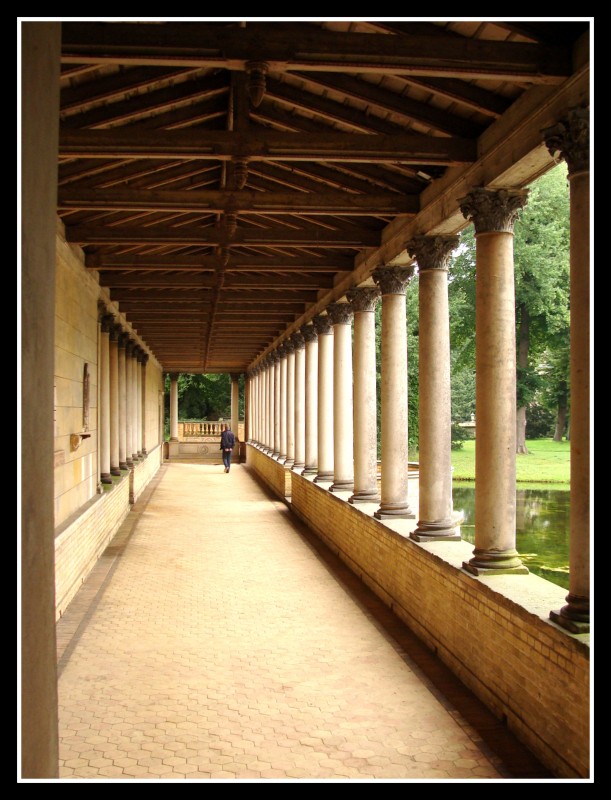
column 227, row 440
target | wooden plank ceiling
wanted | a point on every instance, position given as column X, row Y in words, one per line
column 221, row 177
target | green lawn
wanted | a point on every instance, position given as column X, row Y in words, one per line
column 547, row 462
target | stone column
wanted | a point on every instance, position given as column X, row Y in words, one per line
column 247, row 387
column 363, row 301
column 276, row 367
column 261, row 404
column 114, row 398
column 138, row 415
column 135, row 402
column 571, row 139
column 143, row 364
column 264, row 402
column 283, row 402
column 393, row 282
column 324, row 330
column 174, row 406
column 290, row 403
column 343, row 423
column 123, row 339
column 235, row 404
column 311, row 399
column 435, row 512
column 104, row 395
column 299, row 343
column 40, row 71
column 254, row 402
column 493, row 213
column 269, row 405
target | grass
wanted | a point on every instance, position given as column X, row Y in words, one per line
column 548, row 462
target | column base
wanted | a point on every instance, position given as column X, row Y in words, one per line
column 495, row 562
column 123, row 465
column 144, row 452
column 342, row 486
column 297, row 467
column 135, row 458
column 289, row 463
column 116, row 471
column 394, row 511
column 575, row 616
column 323, row 477
column 105, row 478
column 365, row 496
column 310, row 470
column 129, row 463
column 433, row 531
column 174, row 438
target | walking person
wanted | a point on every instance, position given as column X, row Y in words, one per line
column 227, row 445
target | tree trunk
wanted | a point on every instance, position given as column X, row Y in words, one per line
column 560, row 422
column 523, row 343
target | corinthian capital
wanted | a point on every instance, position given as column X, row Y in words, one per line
column 309, row 333
column 570, row 139
column 363, row 298
column 392, row 280
column 432, row 252
column 322, row 324
column 493, row 210
column 297, row 340
column 340, row 313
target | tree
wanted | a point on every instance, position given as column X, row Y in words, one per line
column 541, row 256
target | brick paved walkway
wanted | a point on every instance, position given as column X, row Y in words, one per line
column 217, row 639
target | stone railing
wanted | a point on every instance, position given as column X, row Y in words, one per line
column 191, row 430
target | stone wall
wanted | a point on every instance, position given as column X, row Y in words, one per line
column 493, row 632
column 143, row 472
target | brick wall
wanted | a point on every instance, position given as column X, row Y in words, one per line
column 143, row 471
column 493, row 632
column 82, row 539
column 275, row 475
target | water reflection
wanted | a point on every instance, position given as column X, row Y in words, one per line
column 542, row 528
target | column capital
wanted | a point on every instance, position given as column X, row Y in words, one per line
column 272, row 358
column 288, row 346
column 235, row 376
column 569, row 139
column 322, row 323
column 308, row 332
column 123, row 339
column 298, row 340
column 107, row 321
column 340, row 313
column 493, row 210
column 145, row 358
column 173, row 376
column 432, row 252
column 115, row 332
column 130, row 345
column 363, row 298
column 393, row 280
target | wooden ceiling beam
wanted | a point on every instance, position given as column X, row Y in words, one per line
column 265, row 145
column 237, row 263
column 241, row 202
column 192, row 235
column 238, row 280
column 313, row 49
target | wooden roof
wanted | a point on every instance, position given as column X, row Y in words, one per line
column 229, row 179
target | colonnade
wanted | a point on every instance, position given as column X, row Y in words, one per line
column 318, row 402
column 122, row 393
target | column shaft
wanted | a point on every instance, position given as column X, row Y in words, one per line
column 138, row 370
column 122, row 403
column 363, row 302
column 114, row 401
column 435, row 515
column 104, row 391
column 290, row 408
column 143, row 364
column 299, row 407
column 235, row 404
column 570, row 138
column 343, row 443
column 173, row 407
column 283, row 407
column 325, row 399
column 311, row 401
column 494, row 213
column 276, row 368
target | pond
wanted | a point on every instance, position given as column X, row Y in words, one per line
column 542, row 528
